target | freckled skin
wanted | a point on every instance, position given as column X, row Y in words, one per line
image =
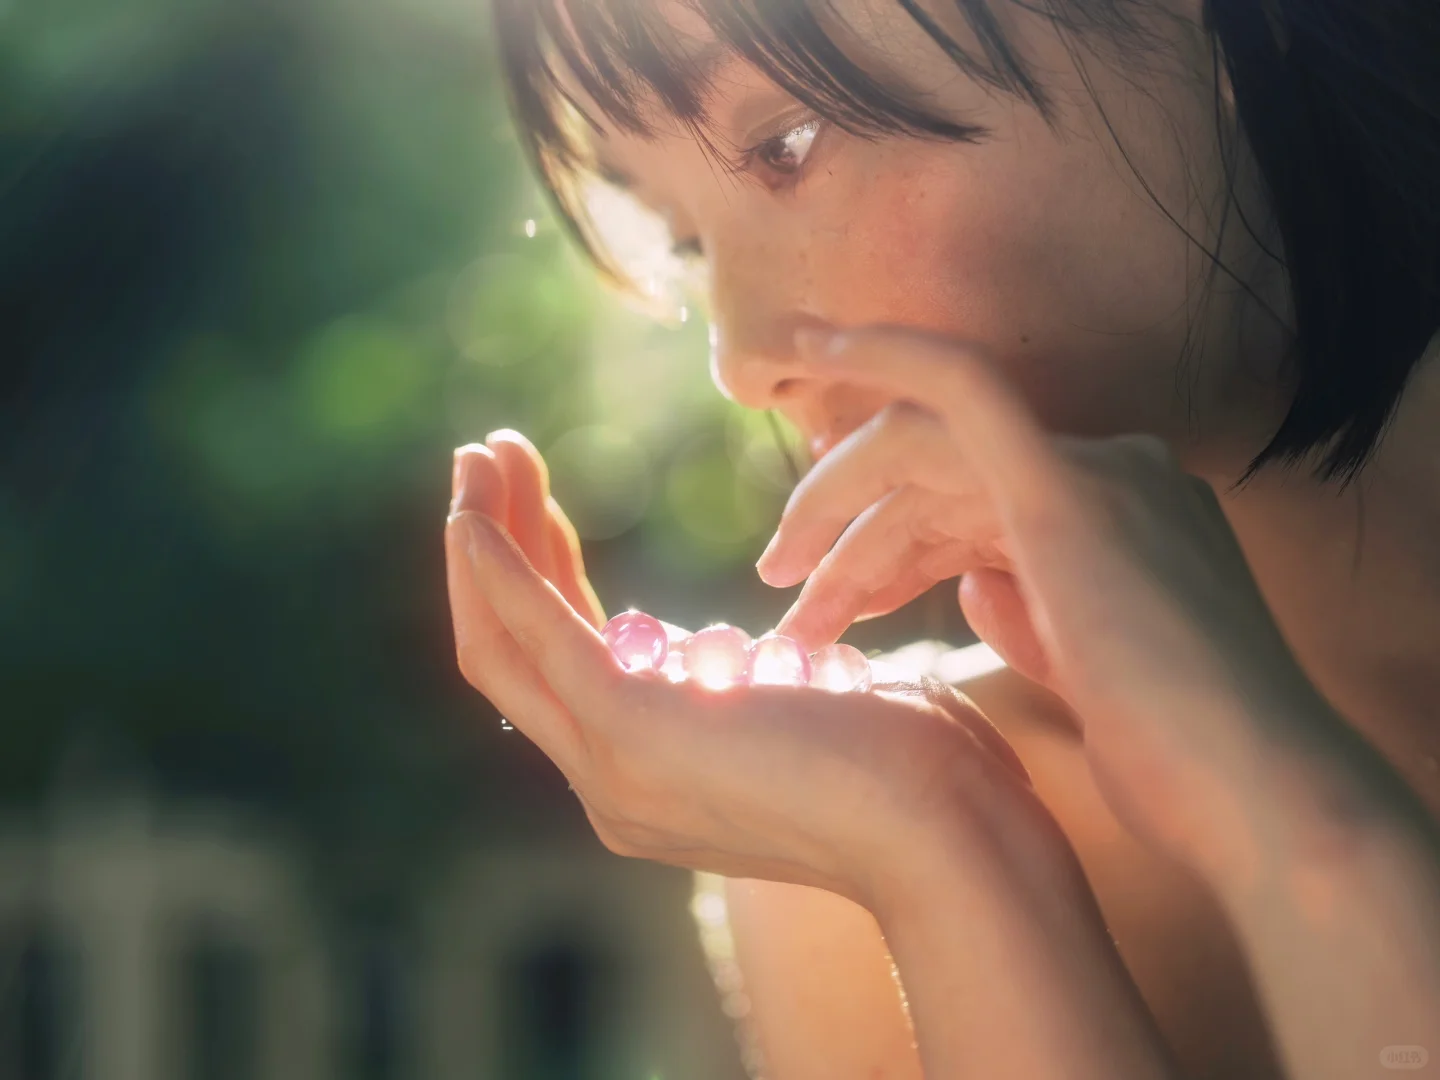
column 1038, row 243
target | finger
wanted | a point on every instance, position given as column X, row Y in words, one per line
column 569, row 574
column 907, row 587
column 902, row 445
column 493, row 663
column 940, row 563
column 527, row 483
column 568, row 653
column 899, row 537
column 995, row 609
column 832, row 598
column 478, row 482
column 988, row 420
column 595, row 609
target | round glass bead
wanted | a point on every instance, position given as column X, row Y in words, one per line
column 715, row 656
column 637, row 640
column 840, row 669
column 776, row 660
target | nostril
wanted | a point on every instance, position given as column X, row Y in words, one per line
column 786, row 388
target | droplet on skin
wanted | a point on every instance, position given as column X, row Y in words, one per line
column 637, row 640
column 715, row 657
column 840, row 669
column 776, row 660
column 674, row 666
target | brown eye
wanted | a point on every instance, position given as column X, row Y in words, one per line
column 785, row 154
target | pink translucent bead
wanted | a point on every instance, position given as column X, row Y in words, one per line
column 715, row 657
column 637, row 640
column 840, row 669
column 776, row 660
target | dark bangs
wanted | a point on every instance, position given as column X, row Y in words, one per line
column 630, row 60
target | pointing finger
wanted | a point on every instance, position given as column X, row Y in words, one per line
column 900, row 446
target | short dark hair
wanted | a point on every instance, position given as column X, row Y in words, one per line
column 1339, row 101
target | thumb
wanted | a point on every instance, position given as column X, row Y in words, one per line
column 996, row 611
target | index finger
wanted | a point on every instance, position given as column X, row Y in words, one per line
column 988, row 419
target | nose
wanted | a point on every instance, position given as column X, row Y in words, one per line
column 758, row 372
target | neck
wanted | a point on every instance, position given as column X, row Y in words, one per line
column 1353, row 578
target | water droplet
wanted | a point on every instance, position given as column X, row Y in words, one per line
column 530, row 227
column 674, row 666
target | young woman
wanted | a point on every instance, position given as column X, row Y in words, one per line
column 1042, row 284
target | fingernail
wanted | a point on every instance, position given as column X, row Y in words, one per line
column 457, row 469
column 761, row 564
column 471, row 491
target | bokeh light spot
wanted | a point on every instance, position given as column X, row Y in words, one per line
column 602, row 478
column 357, row 374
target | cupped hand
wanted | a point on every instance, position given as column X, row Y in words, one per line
column 1097, row 567
column 839, row 791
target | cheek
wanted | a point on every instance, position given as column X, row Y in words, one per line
column 1062, row 274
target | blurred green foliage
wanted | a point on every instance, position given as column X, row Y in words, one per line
column 263, row 266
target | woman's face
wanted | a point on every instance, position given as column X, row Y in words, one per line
column 1041, row 244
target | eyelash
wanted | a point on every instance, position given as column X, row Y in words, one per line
column 750, row 161
column 749, row 158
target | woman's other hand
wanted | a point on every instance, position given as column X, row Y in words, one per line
column 1101, row 569
column 1096, row 567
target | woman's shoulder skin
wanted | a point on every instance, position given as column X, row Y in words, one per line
column 819, row 996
